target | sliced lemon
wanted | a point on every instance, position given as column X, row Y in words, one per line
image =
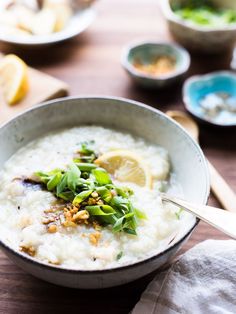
column 13, row 78
column 126, row 166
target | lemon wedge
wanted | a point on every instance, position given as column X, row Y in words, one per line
column 126, row 166
column 13, row 78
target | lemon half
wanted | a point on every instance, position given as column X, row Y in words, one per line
column 13, row 78
column 126, row 166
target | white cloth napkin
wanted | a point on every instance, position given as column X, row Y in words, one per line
column 202, row 281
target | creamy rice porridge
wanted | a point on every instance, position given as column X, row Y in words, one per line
column 59, row 205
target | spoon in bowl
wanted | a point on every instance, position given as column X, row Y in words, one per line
column 219, row 186
column 220, row 219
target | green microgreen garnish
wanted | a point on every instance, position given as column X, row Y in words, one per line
column 178, row 213
column 89, row 187
column 85, row 153
column 119, row 255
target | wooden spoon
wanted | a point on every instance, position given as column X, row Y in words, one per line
column 219, row 186
column 216, row 217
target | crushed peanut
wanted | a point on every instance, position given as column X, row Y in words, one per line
column 30, row 250
column 96, row 226
column 94, row 194
column 46, row 221
column 68, row 215
column 92, row 201
column 94, row 238
column 81, row 215
column 54, row 263
column 52, row 229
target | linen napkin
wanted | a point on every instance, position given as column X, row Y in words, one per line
column 202, row 281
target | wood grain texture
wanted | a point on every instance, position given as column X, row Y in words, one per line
column 90, row 64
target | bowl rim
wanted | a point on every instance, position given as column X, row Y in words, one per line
column 171, row 16
column 127, row 65
column 88, row 14
column 172, row 245
column 204, row 78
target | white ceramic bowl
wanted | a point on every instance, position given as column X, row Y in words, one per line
column 194, row 37
column 188, row 163
column 78, row 23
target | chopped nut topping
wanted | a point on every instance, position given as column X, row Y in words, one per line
column 74, row 209
column 54, row 263
column 96, row 226
column 30, row 250
column 69, row 224
column 46, row 221
column 92, row 201
column 50, row 210
column 81, row 215
column 68, row 215
column 94, row 238
column 52, row 229
column 94, row 194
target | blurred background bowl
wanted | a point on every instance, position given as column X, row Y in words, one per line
column 146, row 52
column 207, row 39
column 199, row 87
column 78, row 23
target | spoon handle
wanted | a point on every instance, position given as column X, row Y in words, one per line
column 222, row 190
column 220, row 219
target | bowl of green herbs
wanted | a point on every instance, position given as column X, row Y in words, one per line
column 203, row 25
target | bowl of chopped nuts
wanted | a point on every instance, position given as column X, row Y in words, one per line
column 80, row 202
column 154, row 64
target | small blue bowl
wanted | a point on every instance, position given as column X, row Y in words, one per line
column 146, row 52
column 205, row 95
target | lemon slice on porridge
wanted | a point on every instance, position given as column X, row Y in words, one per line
column 126, row 166
column 13, row 78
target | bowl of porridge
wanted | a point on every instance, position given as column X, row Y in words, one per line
column 80, row 188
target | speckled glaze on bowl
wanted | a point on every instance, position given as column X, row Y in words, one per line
column 198, row 86
column 188, row 163
column 202, row 39
column 146, row 51
column 78, row 23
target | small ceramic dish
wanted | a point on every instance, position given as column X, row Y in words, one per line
column 212, row 98
column 203, row 39
column 78, row 23
column 146, row 52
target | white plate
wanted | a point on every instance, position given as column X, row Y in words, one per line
column 78, row 23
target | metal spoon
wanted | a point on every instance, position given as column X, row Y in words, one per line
column 219, row 186
column 216, row 217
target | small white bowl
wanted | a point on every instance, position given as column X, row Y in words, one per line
column 78, row 23
column 203, row 39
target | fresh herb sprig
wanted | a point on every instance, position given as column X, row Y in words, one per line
column 90, row 187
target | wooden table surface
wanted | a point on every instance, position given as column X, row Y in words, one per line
column 90, row 64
